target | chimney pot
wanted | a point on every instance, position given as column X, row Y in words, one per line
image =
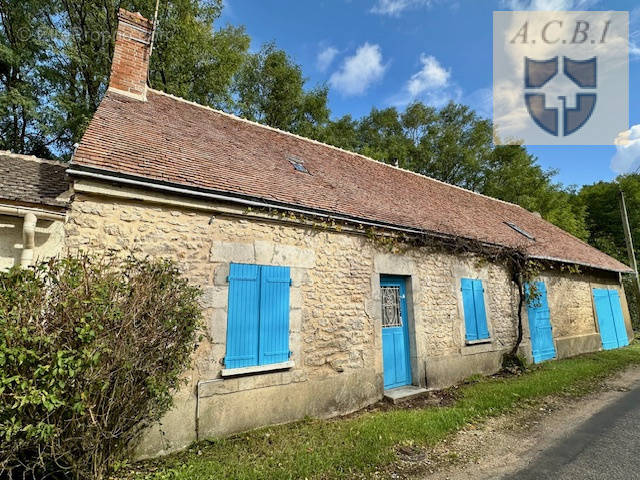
column 130, row 63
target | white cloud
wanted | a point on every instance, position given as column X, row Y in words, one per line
column 548, row 4
column 627, row 157
column 431, row 85
column 325, row 58
column 431, row 76
column 359, row 71
column 394, row 8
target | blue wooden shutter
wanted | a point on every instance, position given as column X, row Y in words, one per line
column 618, row 319
column 274, row 314
column 469, row 309
column 605, row 318
column 481, row 314
column 243, row 316
column 540, row 330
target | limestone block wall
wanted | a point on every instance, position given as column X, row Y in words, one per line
column 335, row 316
column 570, row 298
column 573, row 316
column 331, row 335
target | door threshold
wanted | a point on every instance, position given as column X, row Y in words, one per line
column 401, row 394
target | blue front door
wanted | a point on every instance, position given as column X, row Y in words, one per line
column 395, row 332
column 609, row 312
column 542, row 346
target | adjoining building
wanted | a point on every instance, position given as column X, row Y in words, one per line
column 316, row 299
column 34, row 197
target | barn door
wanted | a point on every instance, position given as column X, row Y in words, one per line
column 542, row 346
column 610, row 320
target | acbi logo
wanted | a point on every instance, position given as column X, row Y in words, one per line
column 560, row 78
column 538, row 73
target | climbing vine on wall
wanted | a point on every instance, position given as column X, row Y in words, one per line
column 522, row 268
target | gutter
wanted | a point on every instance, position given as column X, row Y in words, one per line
column 143, row 182
column 14, row 211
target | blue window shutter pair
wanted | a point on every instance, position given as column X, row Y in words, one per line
column 475, row 315
column 274, row 315
column 258, row 315
column 610, row 319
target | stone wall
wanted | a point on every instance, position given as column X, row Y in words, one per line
column 573, row 316
column 335, row 333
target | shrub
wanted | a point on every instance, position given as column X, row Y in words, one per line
column 90, row 353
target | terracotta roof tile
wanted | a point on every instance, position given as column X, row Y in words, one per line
column 176, row 141
column 32, row 180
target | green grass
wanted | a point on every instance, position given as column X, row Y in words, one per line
column 355, row 446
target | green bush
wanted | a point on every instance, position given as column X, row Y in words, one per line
column 90, row 353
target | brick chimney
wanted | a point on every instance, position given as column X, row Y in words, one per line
column 130, row 65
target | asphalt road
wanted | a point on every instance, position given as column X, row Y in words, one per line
column 607, row 446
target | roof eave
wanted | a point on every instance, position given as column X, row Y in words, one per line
column 582, row 264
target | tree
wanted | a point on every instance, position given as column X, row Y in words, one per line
column 269, row 88
column 55, row 59
column 451, row 144
column 24, row 123
column 341, row 133
column 190, row 58
column 514, row 176
column 604, row 223
column 381, row 136
column 455, row 147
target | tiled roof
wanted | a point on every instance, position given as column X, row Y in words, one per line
column 31, row 180
column 171, row 140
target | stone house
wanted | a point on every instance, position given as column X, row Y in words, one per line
column 317, row 301
column 34, row 196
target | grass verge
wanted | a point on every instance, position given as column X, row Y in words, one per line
column 355, row 446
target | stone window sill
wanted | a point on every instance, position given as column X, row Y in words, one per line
column 483, row 341
column 478, row 346
column 235, row 372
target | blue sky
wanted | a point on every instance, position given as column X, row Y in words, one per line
column 388, row 52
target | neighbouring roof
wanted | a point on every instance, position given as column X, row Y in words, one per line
column 31, row 180
column 169, row 140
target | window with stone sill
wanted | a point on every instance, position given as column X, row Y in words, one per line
column 257, row 316
column 475, row 316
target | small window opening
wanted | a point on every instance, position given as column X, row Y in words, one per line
column 298, row 164
column 520, row 230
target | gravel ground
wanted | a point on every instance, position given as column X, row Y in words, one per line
column 503, row 445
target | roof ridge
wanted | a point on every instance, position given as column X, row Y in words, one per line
column 317, row 142
column 32, row 158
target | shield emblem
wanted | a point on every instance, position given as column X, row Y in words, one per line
column 537, row 73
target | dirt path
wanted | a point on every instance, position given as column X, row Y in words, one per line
column 505, row 444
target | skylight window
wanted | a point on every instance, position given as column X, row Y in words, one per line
column 298, row 164
column 520, row 230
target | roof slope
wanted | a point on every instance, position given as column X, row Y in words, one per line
column 32, row 180
column 172, row 140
